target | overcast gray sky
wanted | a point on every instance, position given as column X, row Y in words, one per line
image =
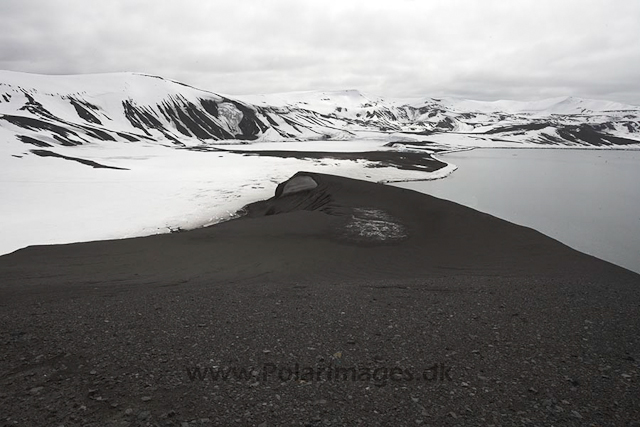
column 484, row 49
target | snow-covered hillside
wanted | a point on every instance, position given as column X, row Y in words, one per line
column 456, row 123
column 73, row 110
column 48, row 111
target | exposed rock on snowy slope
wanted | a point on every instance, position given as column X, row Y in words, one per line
column 72, row 110
column 45, row 111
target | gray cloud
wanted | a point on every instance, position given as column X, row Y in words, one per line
column 484, row 50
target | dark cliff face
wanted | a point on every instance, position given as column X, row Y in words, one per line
column 205, row 120
column 174, row 118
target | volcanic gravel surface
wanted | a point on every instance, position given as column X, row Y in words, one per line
column 345, row 303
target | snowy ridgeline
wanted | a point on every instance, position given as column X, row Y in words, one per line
column 116, row 155
column 73, row 110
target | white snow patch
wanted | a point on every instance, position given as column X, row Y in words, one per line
column 52, row 200
column 374, row 224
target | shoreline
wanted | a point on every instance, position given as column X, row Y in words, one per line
column 441, row 173
column 585, row 199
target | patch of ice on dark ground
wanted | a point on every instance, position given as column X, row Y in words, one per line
column 374, row 224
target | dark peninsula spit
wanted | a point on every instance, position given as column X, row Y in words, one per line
column 337, row 302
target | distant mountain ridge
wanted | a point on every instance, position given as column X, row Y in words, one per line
column 49, row 111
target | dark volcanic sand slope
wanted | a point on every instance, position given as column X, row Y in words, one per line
column 351, row 277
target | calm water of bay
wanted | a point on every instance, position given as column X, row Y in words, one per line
column 587, row 199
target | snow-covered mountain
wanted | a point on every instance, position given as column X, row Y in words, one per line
column 73, row 110
column 566, row 121
column 48, row 111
